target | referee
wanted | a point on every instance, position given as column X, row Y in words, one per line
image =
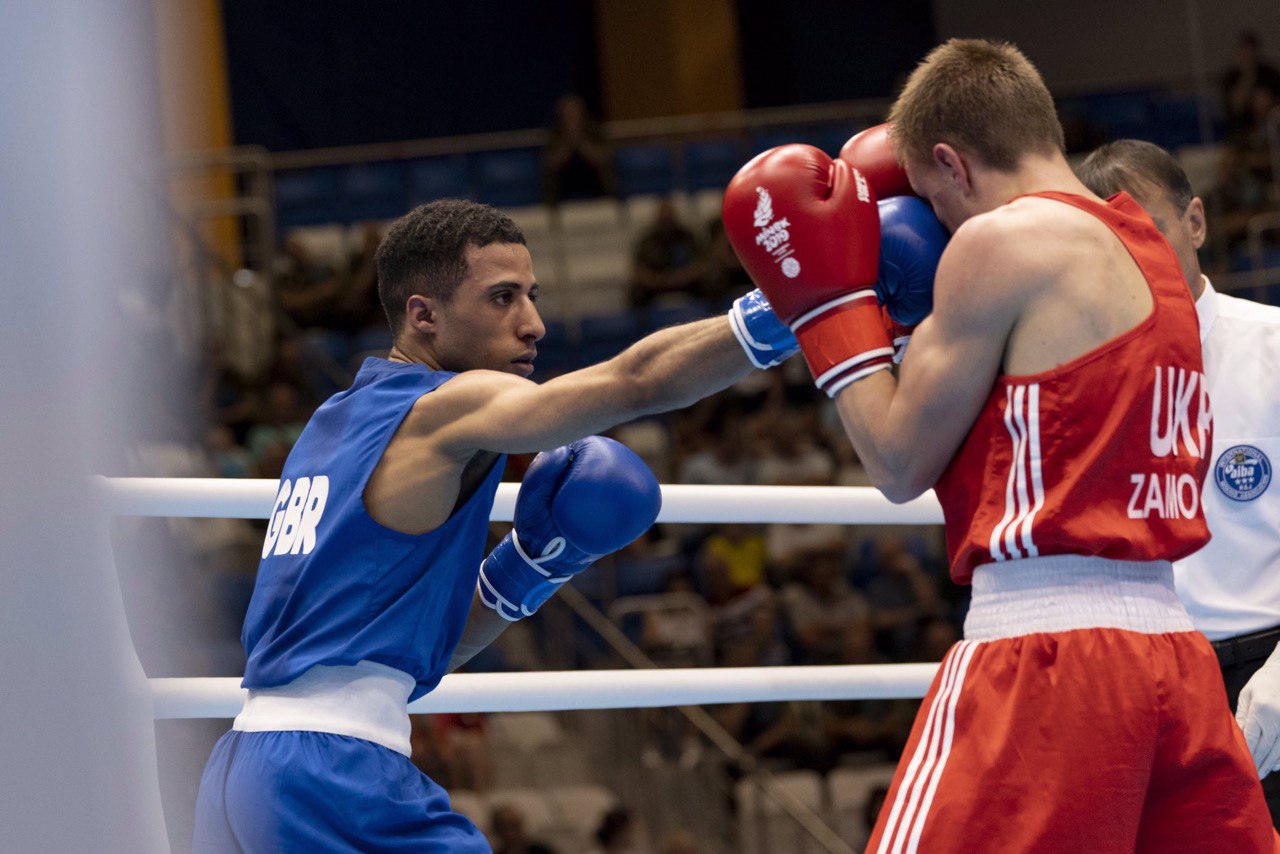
column 1232, row 586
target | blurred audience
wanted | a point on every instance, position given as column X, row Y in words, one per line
column 616, row 833
column 509, row 836
column 666, row 260
column 821, row 608
column 1248, row 76
column 577, row 162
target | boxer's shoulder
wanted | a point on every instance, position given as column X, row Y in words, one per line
column 997, row 258
column 445, row 411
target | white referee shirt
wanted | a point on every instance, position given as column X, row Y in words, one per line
column 1232, row 586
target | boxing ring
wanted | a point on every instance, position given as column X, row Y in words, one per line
column 222, row 697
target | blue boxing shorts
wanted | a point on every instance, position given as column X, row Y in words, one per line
column 287, row 791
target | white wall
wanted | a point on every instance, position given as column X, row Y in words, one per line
column 1105, row 43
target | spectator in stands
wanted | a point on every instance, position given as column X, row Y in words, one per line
column 666, row 260
column 871, row 812
column 425, row 747
column 723, row 460
column 792, row 455
column 821, row 608
column 363, row 316
column 280, row 421
column 902, row 596
column 863, row 725
column 725, row 279
column 937, row 636
column 577, row 162
column 679, row 842
column 509, row 835
column 309, row 289
column 678, row 635
column 1248, row 75
column 731, row 561
column 616, row 833
column 229, row 459
column 463, row 743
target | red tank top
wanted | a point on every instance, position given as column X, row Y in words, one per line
column 1103, row 455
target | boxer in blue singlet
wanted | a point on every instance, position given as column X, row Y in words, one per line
column 372, row 587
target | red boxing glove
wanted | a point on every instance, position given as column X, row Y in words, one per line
column 807, row 230
column 872, row 153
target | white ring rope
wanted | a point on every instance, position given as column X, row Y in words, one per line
column 222, row 697
column 253, row 499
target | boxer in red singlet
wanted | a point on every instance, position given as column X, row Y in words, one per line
column 1082, row 712
column 1056, row 399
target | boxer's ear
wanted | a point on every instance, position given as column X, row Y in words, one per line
column 952, row 165
column 1194, row 220
column 422, row 313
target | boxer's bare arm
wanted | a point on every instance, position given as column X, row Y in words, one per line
column 493, row 411
column 906, row 430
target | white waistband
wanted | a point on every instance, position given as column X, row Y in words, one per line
column 366, row 700
column 1061, row 593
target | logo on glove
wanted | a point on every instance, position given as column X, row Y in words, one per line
column 773, row 236
column 764, row 208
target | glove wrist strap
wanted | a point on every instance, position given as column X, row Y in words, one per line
column 844, row 341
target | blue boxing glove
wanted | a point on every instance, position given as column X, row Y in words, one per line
column 911, row 243
column 766, row 339
column 576, row 504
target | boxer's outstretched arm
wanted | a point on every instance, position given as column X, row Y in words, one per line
column 906, row 430
column 670, row 369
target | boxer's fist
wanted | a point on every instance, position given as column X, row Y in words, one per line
column 807, row 230
column 765, row 339
column 873, row 154
column 804, row 226
column 576, row 503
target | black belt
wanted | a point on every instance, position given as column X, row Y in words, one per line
column 1246, row 648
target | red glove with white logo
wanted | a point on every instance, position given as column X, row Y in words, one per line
column 871, row 152
column 807, row 230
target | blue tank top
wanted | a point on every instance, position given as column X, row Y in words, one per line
column 336, row 587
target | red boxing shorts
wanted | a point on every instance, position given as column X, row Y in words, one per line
column 1081, row 713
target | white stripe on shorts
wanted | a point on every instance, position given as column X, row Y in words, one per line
column 920, row 782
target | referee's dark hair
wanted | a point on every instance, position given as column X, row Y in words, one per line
column 424, row 251
column 1130, row 164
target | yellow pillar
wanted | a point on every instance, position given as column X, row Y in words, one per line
column 195, row 106
column 667, row 57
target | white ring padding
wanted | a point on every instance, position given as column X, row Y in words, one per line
column 255, row 498
column 222, row 697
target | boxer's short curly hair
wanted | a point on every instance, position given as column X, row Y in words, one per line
column 982, row 97
column 424, row 251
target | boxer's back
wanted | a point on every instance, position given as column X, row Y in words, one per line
column 1094, row 438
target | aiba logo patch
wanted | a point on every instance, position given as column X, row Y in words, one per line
column 1243, row 473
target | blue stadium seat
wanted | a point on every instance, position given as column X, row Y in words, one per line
column 605, row 336
column 508, row 178
column 1122, row 115
column 661, row 316
column 1177, row 121
column 712, row 163
column 438, row 178
column 374, row 191
column 645, row 170
column 307, row 197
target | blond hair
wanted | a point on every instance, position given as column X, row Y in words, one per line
column 982, row 97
